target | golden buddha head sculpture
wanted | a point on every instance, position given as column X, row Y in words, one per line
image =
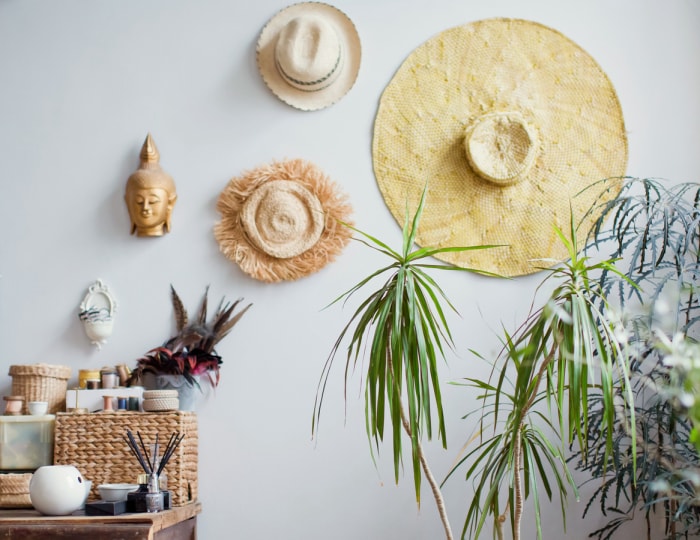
column 150, row 194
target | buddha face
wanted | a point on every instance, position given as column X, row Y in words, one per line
column 149, row 209
column 150, row 194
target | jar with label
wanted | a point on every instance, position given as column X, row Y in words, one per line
column 109, row 377
column 88, row 374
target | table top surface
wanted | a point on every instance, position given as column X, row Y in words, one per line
column 157, row 520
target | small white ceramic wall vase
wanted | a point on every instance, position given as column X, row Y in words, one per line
column 57, row 490
column 97, row 313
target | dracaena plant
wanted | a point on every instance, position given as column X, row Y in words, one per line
column 536, row 401
column 191, row 351
column 402, row 329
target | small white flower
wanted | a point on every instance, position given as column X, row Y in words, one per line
column 659, row 485
column 686, row 400
column 678, row 354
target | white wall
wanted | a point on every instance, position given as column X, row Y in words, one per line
column 83, row 81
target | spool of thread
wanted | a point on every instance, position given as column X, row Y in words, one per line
column 122, row 403
column 123, row 372
column 109, row 377
column 13, row 404
column 108, row 403
column 92, row 384
column 134, row 403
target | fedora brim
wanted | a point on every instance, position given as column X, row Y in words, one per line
column 351, row 51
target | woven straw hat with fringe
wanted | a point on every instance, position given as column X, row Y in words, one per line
column 282, row 221
column 506, row 121
column 309, row 55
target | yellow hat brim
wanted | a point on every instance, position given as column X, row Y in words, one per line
column 486, row 67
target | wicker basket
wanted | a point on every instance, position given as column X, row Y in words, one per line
column 14, row 490
column 96, row 444
column 41, row 382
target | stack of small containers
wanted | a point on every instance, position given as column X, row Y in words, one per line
column 26, row 440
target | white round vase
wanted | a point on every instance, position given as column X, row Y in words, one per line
column 57, row 490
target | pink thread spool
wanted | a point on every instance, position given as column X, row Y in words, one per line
column 13, row 404
column 107, row 403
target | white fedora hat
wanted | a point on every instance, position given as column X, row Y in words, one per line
column 309, row 55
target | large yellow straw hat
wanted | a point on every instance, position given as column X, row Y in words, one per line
column 506, row 121
column 282, row 221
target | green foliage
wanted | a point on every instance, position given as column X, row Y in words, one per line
column 555, row 358
column 400, row 327
column 654, row 229
column 664, row 482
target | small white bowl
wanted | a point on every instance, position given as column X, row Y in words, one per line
column 116, row 492
column 38, row 408
column 88, row 487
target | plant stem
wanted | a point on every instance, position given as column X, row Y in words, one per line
column 518, row 486
column 437, row 494
column 500, row 520
column 517, row 446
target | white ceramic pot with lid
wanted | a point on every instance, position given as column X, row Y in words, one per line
column 57, row 490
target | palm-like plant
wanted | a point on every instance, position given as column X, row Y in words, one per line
column 554, row 359
column 402, row 324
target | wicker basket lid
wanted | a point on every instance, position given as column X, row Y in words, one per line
column 45, row 370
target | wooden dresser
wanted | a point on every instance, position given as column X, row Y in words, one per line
column 179, row 523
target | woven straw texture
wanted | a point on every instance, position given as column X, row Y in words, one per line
column 160, row 404
column 499, row 67
column 14, row 490
column 159, row 394
column 237, row 246
column 41, row 382
column 95, row 444
column 351, row 52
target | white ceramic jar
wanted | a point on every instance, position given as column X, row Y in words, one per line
column 57, row 490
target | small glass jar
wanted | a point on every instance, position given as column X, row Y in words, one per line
column 109, row 377
column 87, row 374
column 154, row 497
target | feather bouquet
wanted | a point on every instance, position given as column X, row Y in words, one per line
column 191, row 351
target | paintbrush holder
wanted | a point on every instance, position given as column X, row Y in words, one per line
column 154, row 496
column 136, row 500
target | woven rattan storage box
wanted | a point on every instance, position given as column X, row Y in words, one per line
column 95, row 444
column 14, row 490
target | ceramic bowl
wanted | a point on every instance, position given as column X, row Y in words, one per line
column 88, row 487
column 38, row 408
column 116, row 492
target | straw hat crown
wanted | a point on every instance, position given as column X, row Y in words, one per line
column 283, row 220
column 309, row 55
